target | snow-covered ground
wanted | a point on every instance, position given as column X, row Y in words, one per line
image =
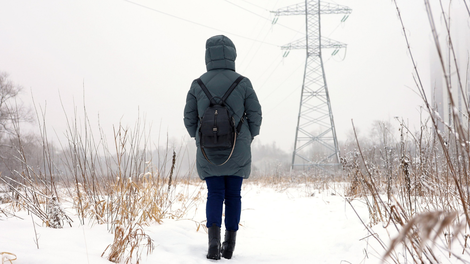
column 294, row 225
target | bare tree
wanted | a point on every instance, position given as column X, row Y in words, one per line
column 11, row 111
column 12, row 114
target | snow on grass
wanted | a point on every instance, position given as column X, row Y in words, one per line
column 289, row 226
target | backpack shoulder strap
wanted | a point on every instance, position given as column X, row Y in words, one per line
column 227, row 93
column 204, row 88
column 232, row 87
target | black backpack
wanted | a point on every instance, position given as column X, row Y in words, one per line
column 217, row 127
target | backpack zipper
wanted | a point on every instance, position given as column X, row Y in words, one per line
column 214, row 129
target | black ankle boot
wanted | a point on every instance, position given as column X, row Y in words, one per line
column 229, row 244
column 214, row 242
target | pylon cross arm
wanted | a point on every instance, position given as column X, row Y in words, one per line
column 329, row 8
column 297, row 44
column 325, row 8
column 326, row 43
column 292, row 10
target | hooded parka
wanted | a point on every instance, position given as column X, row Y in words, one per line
column 220, row 63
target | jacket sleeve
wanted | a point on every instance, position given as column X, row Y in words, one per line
column 253, row 111
column 190, row 113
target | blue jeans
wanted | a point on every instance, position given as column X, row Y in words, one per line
column 220, row 189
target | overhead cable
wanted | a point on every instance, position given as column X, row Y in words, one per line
column 274, row 21
column 196, row 23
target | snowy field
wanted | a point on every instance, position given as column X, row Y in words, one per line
column 294, row 225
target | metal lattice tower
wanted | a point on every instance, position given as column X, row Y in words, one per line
column 316, row 144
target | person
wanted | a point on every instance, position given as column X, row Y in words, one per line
column 223, row 182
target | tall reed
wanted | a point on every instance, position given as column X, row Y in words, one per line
column 127, row 186
column 425, row 195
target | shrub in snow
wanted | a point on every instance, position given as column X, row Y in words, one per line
column 128, row 243
column 55, row 215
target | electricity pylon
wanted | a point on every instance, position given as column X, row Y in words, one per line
column 315, row 123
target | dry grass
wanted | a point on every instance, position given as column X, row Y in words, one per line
column 419, row 186
column 127, row 243
column 7, row 257
column 423, row 228
column 420, row 200
column 126, row 189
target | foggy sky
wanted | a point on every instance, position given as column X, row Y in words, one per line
column 121, row 60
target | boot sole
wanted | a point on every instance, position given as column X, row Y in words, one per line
column 213, row 253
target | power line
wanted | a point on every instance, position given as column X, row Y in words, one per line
column 259, row 46
column 255, row 5
column 251, row 12
column 283, row 100
column 196, row 23
column 280, row 84
column 266, row 20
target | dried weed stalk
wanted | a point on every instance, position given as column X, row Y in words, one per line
column 421, row 190
column 127, row 244
column 123, row 188
column 423, row 228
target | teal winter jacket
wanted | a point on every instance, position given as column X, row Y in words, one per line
column 220, row 64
